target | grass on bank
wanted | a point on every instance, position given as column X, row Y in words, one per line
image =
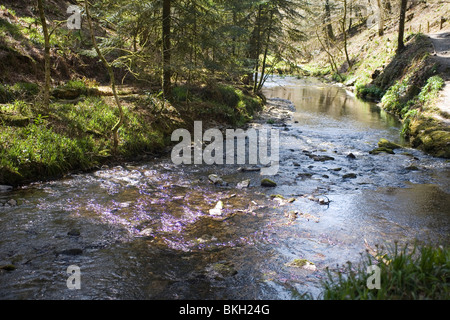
column 407, row 273
column 37, row 143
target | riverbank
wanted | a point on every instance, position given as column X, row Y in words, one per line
column 74, row 132
column 413, row 85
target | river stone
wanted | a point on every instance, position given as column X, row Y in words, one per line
column 74, row 233
column 12, row 202
column 320, row 158
column 302, row 264
column 72, row 252
column 217, row 211
column 243, row 184
column 381, row 150
column 214, row 178
column 383, row 143
column 268, row 183
column 8, row 267
column 349, row 176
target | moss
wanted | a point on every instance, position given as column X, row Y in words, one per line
column 8, row 267
column 436, row 143
column 383, row 143
column 381, row 150
column 268, row 183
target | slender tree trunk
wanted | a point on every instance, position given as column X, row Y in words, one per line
column 401, row 27
column 330, row 56
column 266, row 51
column 329, row 26
column 167, row 72
column 258, row 47
column 119, row 123
column 344, row 31
column 46, row 54
column 380, row 18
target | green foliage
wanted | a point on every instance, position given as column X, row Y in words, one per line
column 407, row 119
column 37, row 151
column 406, row 273
column 180, row 93
column 18, row 91
column 24, row 90
column 5, row 94
column 368, row 92
column 393, row 100
column 430, row 90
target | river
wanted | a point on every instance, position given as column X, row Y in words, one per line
column 143, row 230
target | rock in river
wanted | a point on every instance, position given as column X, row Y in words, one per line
column 383, row 143
column 349, row 176
column 214, row 178
column 268, row 183
column 243, row 184
column 217, row 211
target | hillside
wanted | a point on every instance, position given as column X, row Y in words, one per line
column 413, row 85
column 74, row 133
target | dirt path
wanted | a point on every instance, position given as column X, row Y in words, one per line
column 441, row 43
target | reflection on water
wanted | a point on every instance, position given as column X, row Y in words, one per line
column 337, row 105
column 143, row 231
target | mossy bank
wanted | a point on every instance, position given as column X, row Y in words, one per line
column 74, row 134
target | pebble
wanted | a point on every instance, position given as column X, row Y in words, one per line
column 12, row 202
column 74, row 233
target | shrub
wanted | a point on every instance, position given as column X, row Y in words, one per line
column 406, row 273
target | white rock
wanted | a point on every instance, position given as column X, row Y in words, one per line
column 217, row 211
column 243, row 184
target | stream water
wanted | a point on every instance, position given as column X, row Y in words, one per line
column 143, row 230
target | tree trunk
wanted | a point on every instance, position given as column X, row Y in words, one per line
column 344, row 31
column 46, row 54
column 401, row 28
column 119, row 123
column 258, row 47
column 329, row 26
column 380, row 18
column 167, row 72
column 263, row 69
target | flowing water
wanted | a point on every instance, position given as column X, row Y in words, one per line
column 143, row 230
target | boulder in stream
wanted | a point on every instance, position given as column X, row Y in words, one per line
column 383, row 143
column 268, row 183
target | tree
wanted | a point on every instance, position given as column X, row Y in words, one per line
column 166, row 47
column 46, row 54
column 328, row 22
column 108, row 66
column 401, row 28
column 380, row 17
column 344, row 32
